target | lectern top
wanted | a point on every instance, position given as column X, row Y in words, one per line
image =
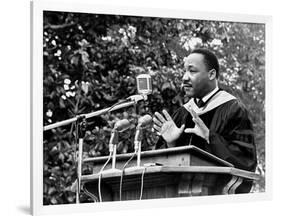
column 190, row 150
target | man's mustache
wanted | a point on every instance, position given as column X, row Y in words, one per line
column 185, row 82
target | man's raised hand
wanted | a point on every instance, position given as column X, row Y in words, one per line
column 164, row 125
column 200, row 129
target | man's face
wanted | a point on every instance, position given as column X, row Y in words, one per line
column 196, row 82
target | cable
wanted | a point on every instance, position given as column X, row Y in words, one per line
column 100, row 173
column 88, row 193
column 142, row 180
column 114, row 105
column 122, row 173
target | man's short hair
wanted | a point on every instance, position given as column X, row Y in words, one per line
column 210, row 59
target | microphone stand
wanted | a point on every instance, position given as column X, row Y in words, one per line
column 142, row 123
column 82, row 125
column 137, row 142
column 89, row 115
column 112, row 149
column 137, row 147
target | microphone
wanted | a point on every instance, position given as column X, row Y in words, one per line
column 144, row 87
column 144, row 121
column 119, row 126
column 122, row 125
column 144, row 84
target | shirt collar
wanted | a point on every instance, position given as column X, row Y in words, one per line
column 206, row 97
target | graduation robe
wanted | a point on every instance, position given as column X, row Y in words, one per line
column 231, row 135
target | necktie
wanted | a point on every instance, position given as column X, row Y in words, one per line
column 199, row 102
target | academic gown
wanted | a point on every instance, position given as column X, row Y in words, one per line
column 231, row 136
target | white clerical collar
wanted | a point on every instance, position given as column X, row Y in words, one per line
column 206, row 97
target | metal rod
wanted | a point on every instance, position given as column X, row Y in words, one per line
column 139, row 154
column 89, row 115
column 79, row 169
column 114, row 157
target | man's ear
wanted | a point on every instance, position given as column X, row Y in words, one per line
column 212, row 74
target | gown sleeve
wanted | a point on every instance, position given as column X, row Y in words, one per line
column 232, row 137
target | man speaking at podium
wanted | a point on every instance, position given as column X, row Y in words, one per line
column 212, row 119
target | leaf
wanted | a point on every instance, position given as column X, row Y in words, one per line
column 54, row 201
column 61, row 103
column 51, row 190
column 74, row 60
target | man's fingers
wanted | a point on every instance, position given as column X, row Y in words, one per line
column 190, row 130
column 160, row 117
column 156, row 121
column 157, row 128
column 167, row 115
column 157, row 132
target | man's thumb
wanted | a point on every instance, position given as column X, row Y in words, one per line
column 182, row 128
column 189, row 130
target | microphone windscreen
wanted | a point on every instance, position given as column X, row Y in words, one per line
column 122, row 125
column 144, row 84
column 144, row 120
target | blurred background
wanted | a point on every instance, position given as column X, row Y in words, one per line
column 91, row 61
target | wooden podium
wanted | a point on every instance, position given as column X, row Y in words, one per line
column 166, row 173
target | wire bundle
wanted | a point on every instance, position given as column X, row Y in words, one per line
column 122, row 174
column 100, row 175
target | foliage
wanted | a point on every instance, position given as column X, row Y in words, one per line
column 91, row 61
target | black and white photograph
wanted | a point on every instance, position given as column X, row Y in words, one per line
column 151, row 107
column 144, row 107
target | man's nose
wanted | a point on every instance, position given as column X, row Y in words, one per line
column 186, row 76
